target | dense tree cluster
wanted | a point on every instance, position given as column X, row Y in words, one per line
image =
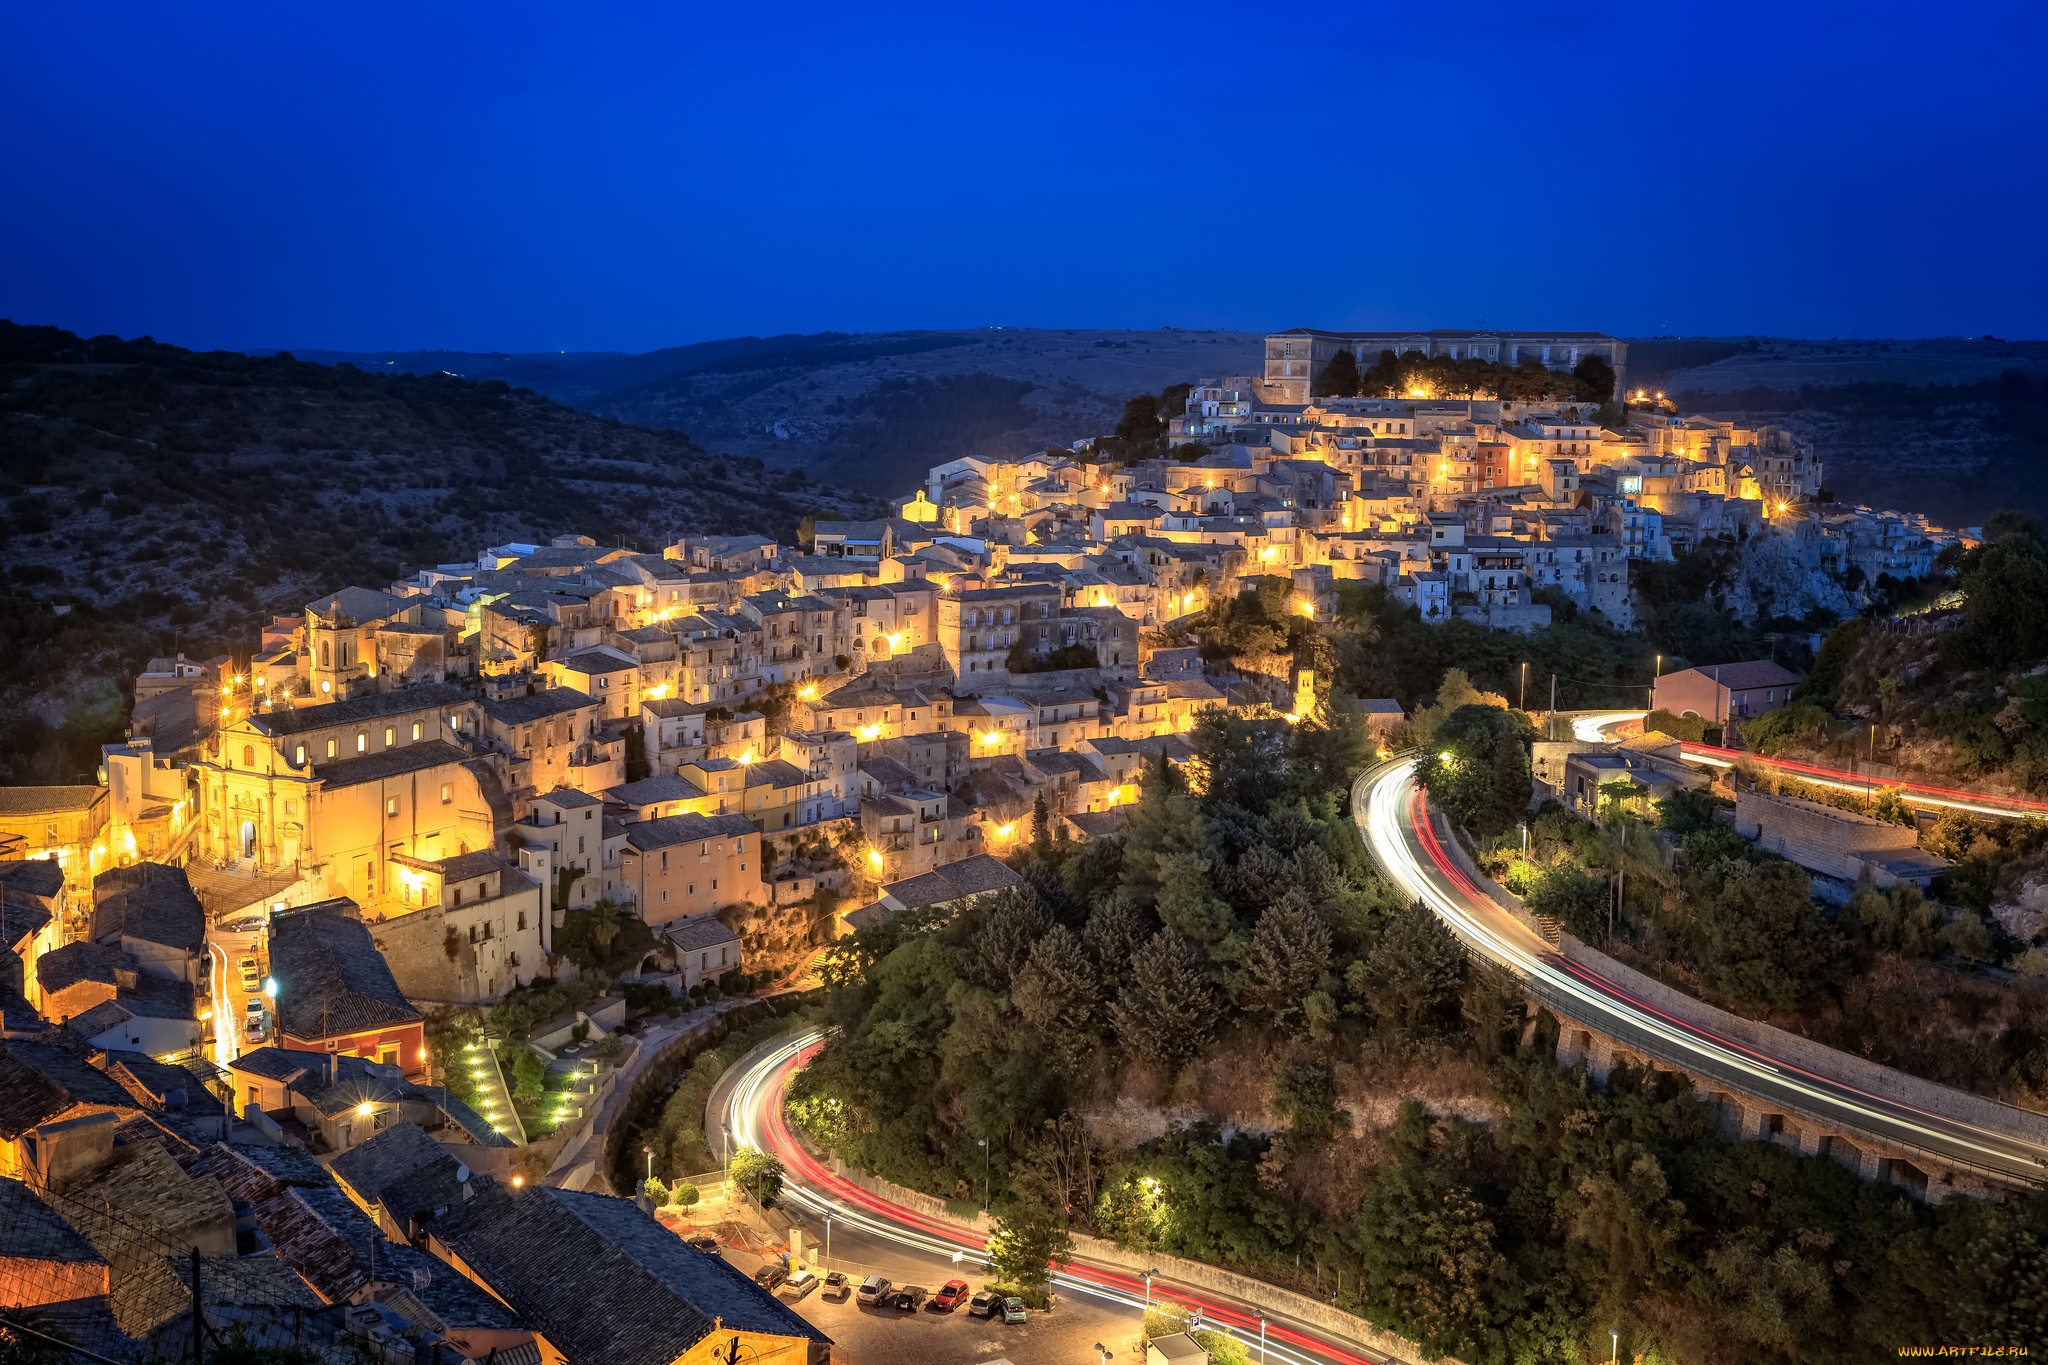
column 1413, row 374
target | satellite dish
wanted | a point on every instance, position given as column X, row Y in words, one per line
column 461, row 1172
column 422, row 1278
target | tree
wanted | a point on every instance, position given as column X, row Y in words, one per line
column 1305, row 1094
column 1041, row 827
column 1416, row 970
column 529, row 1077
column 1468, row 776
column 1013, row 924
column 1115, row 933
column 1764, row 944
column 1595, row 379
column 1952, row 836
column 1166, row 1011
column 759, row 1173
column 1572, row 898
column 605, row 922
column 1286, row 960
column 1339, row 378
column 1029, row 1237
column 1056, row 990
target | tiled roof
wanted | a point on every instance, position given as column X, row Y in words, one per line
column 355, row 710
column 568, row 798
column 63, row 968
column 1755, row 673
column 47, row 800
column 331, row 979
column 151, row 903
column 32, row 877
column 108, row 1014
column 406, row 758
column 364, row 604
column 603, row 1281
column 699, row 932
column 152, row 1081
column 554, row 701
column 395, row 1155
column 683, row 829
column 649, row 791
column 31, row 1231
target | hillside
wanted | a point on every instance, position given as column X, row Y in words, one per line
column 172, row 500
column 872, row 409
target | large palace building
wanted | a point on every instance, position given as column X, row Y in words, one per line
column 1296, row 356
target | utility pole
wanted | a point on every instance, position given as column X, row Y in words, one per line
column 1550, row 722
column 1523, row 703
column 198, row 1310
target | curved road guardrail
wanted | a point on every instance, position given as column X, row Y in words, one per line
column 2004, row 1144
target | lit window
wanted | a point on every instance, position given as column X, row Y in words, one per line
column 391, row 806
column 391, row 735
column 330, row 748
column 447, row 792
column 362, row 742
column 415, row 729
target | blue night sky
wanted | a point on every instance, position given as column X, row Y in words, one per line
column 624, row 177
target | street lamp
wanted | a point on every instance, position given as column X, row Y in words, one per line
column 983, row 1144
column 828, row 1241
column 1614, row 1351
column 1148, row 1287
column 1104, row 1352
column 1262, row 1339
column 650, row 1161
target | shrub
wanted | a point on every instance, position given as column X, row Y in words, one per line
column 687, row 1195
column 657, row 1191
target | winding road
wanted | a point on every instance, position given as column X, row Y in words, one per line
column 755, row 1114
column 1393, row 814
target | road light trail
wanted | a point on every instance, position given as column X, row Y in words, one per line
column 1393, row 815
column 755, row 1116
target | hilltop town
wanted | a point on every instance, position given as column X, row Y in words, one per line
column 569, row 784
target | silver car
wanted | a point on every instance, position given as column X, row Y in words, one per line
column 873, row 1289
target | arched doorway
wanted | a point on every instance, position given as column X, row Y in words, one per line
column 248, row 838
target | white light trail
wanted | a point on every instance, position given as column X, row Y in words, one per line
column 1500, row 937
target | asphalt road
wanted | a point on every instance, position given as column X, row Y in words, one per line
column 869, row 1230
column 1392, row 813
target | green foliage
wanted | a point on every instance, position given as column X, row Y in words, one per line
column 1442, row 377
column 1577, row 901
column 1339, row 378
column 1953, row 835
column 1305, row 1095
column 1477, row 768
column 656, row 1191
column 1166, row 1011
column 1801, row 723
column 1823, row 683
column 686, row 1196
column 759, row 1173
column 1691, row 729
column 1764, row 944
column 2004, row 584
column 1029, row 1237
column 1413, row 975
column 529, row 1076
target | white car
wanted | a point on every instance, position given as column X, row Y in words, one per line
column 800, row 1284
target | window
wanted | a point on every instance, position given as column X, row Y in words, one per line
column 447, row 792
column 390, row 735
column 714, row 883
column 579, row 843
column 299, row 757
column 664, row 898
column 458, row 895
column 248, row 755
column 391, row 806
column 483, row 890
column 330, row 748
column 362, row 742
column 664, row 860
column 415, row 729
column 522, row 919
column 693, row 888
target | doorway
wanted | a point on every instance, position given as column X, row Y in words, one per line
column 248, row 838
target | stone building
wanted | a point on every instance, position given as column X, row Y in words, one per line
column 1295, row 357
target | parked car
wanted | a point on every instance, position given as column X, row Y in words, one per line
column 984, row 1305
column 910, row 1298
column 247, row 924
column 950, row 1295
column 255, row 1031
column 769, row 1276
column 803, row 1282
column 252, row 979
column 873, row 1289
column 1013, row 1310
column 705, row 1243
column 837, row 1285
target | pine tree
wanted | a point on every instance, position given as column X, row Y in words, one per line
column 1416, row 970
column 1041, row 827
column 1339, row 378
column 1013, row 924
column 1060, row 905
column 1116, row 931
column 1287, row 958
column 1167, row 1010
column 1055, row 990
column 1510, row 793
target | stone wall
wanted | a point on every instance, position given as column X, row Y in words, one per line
column 415, row 948
column 1808, row 1055
column 1817, row 837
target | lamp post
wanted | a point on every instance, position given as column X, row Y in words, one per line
column 1262, row 1339
column 828, row 1241
column 1104, row 1352
column 650, row 1161
column 1614, row 1350
column 1148, row 1287
column 983, row 1144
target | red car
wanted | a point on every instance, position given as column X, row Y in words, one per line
column 951, row 1296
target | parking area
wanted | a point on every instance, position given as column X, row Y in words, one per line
column 864, row 1335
